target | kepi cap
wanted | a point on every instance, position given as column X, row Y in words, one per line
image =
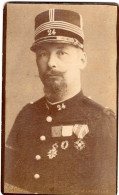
column 59, row 26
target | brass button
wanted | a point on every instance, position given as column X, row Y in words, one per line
column 42, row 138
column 37, row 157
column 36, row 176
column 49, row 119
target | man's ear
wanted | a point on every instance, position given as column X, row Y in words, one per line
column 83, row 59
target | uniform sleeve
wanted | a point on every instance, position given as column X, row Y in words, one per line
column 110, row 151
column 14, row 149
column 106, row 153
column 15, row 138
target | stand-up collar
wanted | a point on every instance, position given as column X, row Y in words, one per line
column 64, row 104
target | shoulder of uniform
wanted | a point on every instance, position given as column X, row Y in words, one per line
column 91, row 104
column 32, row 106
column 36, row 103
column 96, row 109
column 109, row 112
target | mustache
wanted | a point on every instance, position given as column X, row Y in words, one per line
column 52, row 73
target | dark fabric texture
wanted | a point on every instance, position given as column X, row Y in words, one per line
column 89, row 171
column 59, row 15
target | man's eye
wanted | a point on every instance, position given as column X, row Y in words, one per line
column 61, row 53
column 42, row 53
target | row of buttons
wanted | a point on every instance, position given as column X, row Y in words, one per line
column 48, row 119
column 38, row 157
column 37, row 176
column 42, row 138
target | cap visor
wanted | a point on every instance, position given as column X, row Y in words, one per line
column 39, row 43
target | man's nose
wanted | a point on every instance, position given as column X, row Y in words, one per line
column 52, row 61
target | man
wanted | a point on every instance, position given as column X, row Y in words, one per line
column 63, row 143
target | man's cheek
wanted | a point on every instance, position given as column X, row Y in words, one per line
column 42, row 68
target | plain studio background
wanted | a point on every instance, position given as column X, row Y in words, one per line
column 98, row 78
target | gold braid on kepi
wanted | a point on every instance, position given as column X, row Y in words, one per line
column 58, row 26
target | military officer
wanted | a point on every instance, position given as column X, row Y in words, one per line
column 64, row 143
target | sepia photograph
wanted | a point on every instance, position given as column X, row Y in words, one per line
column 59, row 130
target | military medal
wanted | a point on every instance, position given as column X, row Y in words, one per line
column 67, row 130
column 64, row 145
column 80, row 130
column 79, row 144
column 56, row 131
column 53, row 152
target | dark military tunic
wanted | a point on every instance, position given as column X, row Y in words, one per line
column 42, row 158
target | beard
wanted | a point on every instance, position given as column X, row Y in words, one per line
column 55, row 86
